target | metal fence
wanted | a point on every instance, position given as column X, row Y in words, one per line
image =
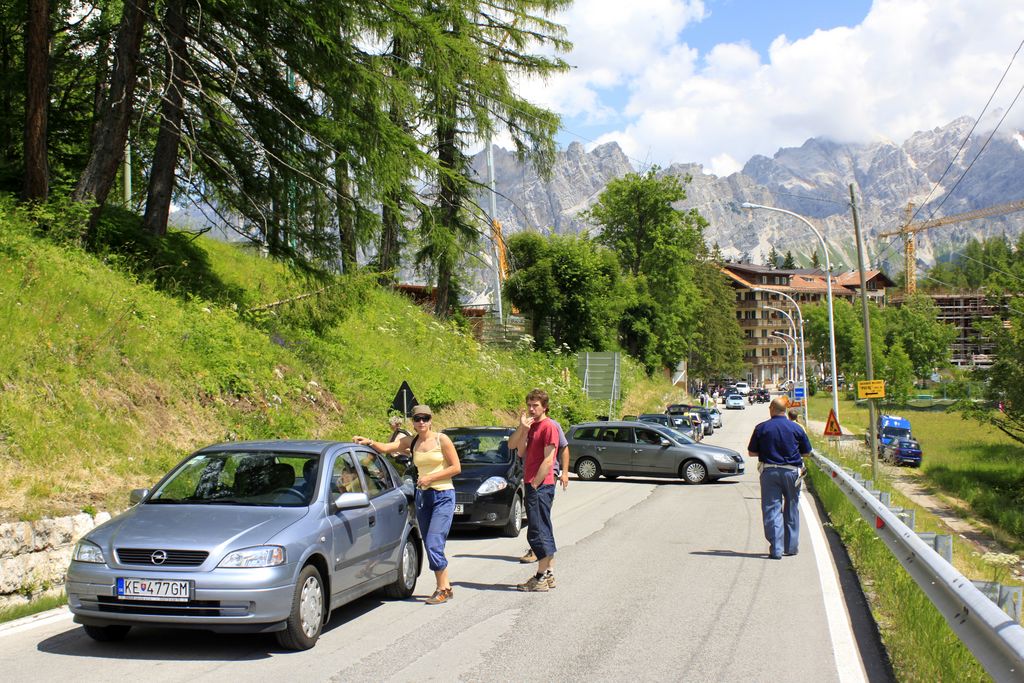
column 995, row 639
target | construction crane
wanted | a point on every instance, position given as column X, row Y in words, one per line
column 910, row 230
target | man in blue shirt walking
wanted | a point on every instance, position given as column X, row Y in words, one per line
column 781, row 446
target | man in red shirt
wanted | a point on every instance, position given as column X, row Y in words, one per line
column 537, row 436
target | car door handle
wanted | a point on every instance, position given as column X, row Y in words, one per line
column 638, row 450
column 401, row 508
column 601, row 448
column 373, row 520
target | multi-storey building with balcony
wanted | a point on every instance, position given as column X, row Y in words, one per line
column 764, row 352
column 969, row 349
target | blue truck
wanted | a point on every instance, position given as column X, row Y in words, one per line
column 896, row 444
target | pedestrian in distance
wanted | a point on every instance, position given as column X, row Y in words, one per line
column 561, row 465
column 780, row 445
column 398, row 430
column 536, row 440
column 436, row 462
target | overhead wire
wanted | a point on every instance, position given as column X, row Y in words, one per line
column 966, row 138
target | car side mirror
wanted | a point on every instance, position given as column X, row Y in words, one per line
column 351, row 501
column 665, row 442
column 137, row 496
column 408, row 488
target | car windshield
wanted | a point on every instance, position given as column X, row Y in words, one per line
column 490, row 447
column 896, row 432
column 907, row 443
column 263, row 478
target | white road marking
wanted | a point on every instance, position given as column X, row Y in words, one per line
column 848, row 662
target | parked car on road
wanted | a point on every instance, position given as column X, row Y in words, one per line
column 902, row 452
column 734, row 401
column 743, row 388
column 705, row 418
column 716, row 417
column 489, row 490
column 250, row 537
column 646, row 449
column 675, row 421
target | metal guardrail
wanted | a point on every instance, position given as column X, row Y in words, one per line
column 995, row 639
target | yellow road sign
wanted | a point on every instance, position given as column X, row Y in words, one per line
column 871, row 388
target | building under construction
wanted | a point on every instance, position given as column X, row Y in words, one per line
column 969, row 349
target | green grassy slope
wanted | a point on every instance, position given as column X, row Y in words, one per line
column 115, row 365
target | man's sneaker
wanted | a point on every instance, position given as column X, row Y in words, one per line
column 535, row 584
column 528, row 557
column 550, row 578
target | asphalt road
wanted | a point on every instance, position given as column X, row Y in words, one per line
column 656, row 581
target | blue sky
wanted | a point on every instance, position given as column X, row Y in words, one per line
column 717, row 81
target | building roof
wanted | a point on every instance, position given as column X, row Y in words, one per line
column 802, row 281
column 851, row 278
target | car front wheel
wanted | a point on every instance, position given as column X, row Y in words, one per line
column 587, row 469
column 408, row 572
column 515, row 518
column 695, row 472
column 307, row 616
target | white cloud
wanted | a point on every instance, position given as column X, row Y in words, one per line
column 910, row 65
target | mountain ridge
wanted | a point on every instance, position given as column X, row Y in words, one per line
column 811, row 180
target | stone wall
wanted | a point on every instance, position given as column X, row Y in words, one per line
column 34, row 556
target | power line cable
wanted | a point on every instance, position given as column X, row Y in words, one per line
column 968, row 136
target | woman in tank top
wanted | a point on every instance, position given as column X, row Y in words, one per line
column 436, row 461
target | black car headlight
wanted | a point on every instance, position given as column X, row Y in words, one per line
column 491, row 485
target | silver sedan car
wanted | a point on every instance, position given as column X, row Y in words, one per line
column 646, row 449
column 250, row 537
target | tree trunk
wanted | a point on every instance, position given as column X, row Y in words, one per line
column 111, row 132
column 448, row 204
column 391, row 226
column 165, row 156
column 37, row 89
column 345, row 206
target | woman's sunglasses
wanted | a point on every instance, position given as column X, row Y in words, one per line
column 421, row 418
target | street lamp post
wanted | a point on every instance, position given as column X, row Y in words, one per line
column 828, row 282
column 789, row 355
column 803, row 344
column 794, row 337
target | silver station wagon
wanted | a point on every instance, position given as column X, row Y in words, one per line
column 646, row 449
column 250, row 537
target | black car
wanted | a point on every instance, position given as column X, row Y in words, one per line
column 678, row 408
column 763, row 395
column 489, row 490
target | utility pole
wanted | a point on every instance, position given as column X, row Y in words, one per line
column 495, row 235
column 868, row 364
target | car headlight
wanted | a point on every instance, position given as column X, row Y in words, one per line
column 87, row 551
column 723, row 458
column 259, row 556
column 492, row 485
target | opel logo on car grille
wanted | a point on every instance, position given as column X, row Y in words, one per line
column 159, row 556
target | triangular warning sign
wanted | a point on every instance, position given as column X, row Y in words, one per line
column 832, row 424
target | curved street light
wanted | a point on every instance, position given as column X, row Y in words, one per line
column 803, row 344
column 786, row 339
column 793, row 335
column 828, row 282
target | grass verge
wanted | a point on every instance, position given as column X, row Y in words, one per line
column 974, row 463
column 35, row 606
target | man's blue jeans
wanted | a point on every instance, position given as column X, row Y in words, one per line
column 780, row 498
column 540, row 534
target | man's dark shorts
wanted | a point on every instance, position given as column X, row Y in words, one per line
column 540, row 535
